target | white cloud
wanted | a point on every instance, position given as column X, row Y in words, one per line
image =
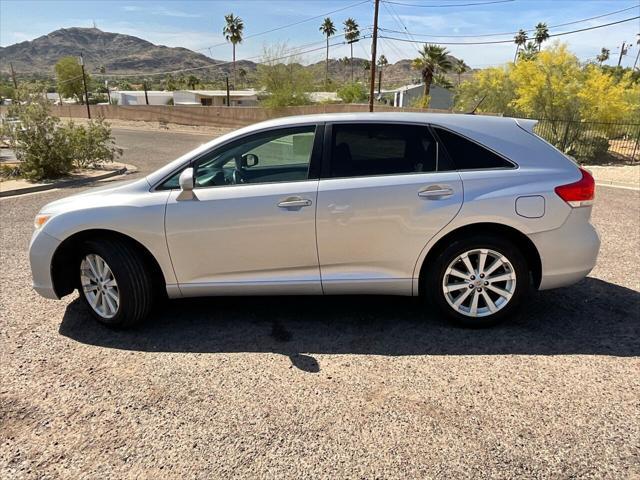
column 131, row 8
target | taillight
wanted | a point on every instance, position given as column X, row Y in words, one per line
column 580, row 193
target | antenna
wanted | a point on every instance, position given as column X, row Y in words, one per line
column 95, row 25
column 473, row 111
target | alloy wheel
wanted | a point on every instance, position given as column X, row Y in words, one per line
column 99, row 286
column 479, row 282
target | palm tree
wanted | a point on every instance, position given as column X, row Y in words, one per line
column 603, row 56
column 366, row 65
column 232, row 32
column 433, row 59
column 382, row 62
column 328, row 29
column 520, row 39
column 542, row 34
column 460, row 67
column 351, row 35
column 243, row 75
column 529, row 51
column 192, row 82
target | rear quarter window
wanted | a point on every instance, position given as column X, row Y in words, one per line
column 468, row 155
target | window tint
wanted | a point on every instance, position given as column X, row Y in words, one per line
column 468, row 155
column 277, row 156
column 382, row 149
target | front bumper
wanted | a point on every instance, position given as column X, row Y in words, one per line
column 41, row 250
column 567, row 253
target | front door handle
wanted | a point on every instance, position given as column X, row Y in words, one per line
column 436, row 191
column 295, row 202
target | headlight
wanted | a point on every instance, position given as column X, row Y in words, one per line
column 40, row 220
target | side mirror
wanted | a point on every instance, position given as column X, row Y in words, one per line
column 249, row 160
column 186, row 180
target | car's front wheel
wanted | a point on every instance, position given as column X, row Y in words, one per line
column 114, row 283
column 479, row 281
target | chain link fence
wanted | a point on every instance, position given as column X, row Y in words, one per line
column 593, row 142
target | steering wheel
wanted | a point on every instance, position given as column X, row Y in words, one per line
column 237, row 177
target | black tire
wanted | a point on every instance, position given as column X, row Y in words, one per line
column 433, row 281
column 135, row 285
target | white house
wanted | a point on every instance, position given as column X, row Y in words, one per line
column 137, row 97
column 218, row 98
column 441, row 98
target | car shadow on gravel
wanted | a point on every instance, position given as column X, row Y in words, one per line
column 591, row 318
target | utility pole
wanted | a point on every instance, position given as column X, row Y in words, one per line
column 84, row 82
column 228, row 96
column 623, row 51
column 379, row 80
column 146, row 97
column 106, row 84
column 13, row 76
column 374, row 45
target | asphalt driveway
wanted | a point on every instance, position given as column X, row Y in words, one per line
column 357, row 387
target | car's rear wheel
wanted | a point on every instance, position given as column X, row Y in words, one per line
column 479, row 281
column 114, row 283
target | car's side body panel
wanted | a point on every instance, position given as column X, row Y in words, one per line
column 371, row 229
column 132, row 211
column 236, row 239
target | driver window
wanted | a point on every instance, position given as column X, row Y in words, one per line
column 277, row 156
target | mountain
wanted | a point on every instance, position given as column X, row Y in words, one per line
column 126, row 54
column 118, row 53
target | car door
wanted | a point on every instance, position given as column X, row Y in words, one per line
column 385, row 191
column 248, row 226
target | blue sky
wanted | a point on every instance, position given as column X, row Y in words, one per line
column 198, row 24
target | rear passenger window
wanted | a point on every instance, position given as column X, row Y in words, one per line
column 468, row 155
column 382, row 149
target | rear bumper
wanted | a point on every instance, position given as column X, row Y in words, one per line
column 41, row 250
column 567, row 253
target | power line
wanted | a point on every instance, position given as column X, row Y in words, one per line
column 282, row 27
column 489, row 42
column 289, row 54
column 514, row 33
column 449, row 5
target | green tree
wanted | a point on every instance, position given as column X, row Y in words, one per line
column 366, row 67
column 433, row 59
column 541, row 34
column 69, row 78
column 520, row 40
column 351, row 35
column 352, row 93
column 243, row 76
column 192, row 82
column 460, row 67
column 45, row 148
column 328, row 29
column 529, row 51
column 232, row 32
column 491, row 86
column 382, row 63
column 603, row 56
column 285, row 83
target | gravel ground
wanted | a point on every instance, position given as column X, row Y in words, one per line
column 321, row 387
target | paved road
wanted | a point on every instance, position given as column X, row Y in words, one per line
column 149, row 150
column 322, row 387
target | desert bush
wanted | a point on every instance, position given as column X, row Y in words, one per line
column 45, row 148
column 590, row 149
column 352, row 93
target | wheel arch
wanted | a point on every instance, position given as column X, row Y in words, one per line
column 66, row 258
column 519, row 239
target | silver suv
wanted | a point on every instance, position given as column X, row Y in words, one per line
column 471, row 212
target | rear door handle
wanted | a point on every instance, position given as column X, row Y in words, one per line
column 436, row 191
column 295, row 202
